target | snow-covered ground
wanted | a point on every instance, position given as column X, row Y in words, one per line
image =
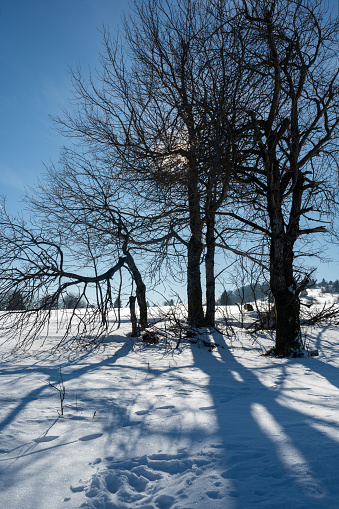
column 150, row 426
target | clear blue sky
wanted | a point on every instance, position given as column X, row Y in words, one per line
column 39, row 39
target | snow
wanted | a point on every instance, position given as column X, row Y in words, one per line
column 154, row 427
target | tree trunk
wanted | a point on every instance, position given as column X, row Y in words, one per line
column 194, row 247
column 288, row 341
column 140, row 290
column 133, row 317
column 209, row 268
column 194, row 291
column 142, row 303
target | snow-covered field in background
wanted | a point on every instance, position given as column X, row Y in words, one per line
column 154, row 427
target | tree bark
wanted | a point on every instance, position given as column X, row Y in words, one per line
column 209, row 269
column 194, row 245
column 194, row 291
column 133, row 316
column 288, row 341
column 140, row 289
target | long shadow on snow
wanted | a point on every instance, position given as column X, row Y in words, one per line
column 256, row 459
column 28, row 451
column 73, row 372
column 268, row 445
column 324, row 369
column 52, row 372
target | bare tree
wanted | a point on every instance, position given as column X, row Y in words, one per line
column 292, row 49
column 166, row 121
column 218, row 130
column 71, row 301
column 43, row 263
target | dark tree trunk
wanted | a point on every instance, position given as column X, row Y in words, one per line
column 194, row 291
column 283, row 286
column 194, row 246
column 209, row 268
column 142, row 303
column 288, row 341
column 133, row 317
column 140, row 290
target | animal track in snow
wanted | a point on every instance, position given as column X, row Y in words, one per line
column 155, row 481
column 213, row 494
column 164, row 501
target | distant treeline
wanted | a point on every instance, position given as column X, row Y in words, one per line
column 250, row 293
column 15, row 301
column 18, row 301
column 328, row 286
column 247, row 293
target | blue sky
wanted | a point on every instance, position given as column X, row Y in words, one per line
column 40, row 40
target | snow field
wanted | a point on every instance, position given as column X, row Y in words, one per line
column 154, row 428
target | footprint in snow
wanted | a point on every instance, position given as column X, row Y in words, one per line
column 144, row 482
column 164, row 501
column 214, row 494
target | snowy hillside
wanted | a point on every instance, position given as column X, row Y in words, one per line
column 151, row 426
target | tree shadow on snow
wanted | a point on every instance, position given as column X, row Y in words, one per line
column 36, row 372
column 271, row 454
column 270, row 446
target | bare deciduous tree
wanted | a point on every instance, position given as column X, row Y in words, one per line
column 219, row 130
column 292, row 48
column 42, row 264
column 166, row 121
